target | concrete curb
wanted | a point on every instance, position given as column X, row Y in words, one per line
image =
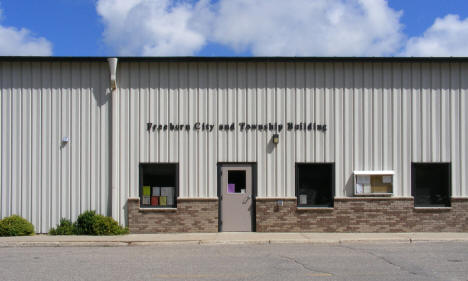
column 227, row 239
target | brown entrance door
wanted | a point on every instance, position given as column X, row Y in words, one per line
column 236, row 198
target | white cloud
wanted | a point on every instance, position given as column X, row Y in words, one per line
column 309, row 28
column 21, row 42
column 448, row 36
column 145, row 27
column 264, row 27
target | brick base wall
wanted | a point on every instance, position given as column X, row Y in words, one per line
column 347, row 215
column 191, row 215
column 361, row 215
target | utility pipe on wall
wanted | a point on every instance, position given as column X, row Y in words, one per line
column 115, row 141
column 113, row 72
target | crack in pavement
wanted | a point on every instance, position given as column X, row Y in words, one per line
column 304, row 266
column 402, row 268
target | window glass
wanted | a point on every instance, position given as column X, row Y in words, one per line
column 373, row 184
column 431, row 184
column 158, row 185
column 314, row 185
column 236, row 182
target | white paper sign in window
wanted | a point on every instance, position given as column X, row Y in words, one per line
column 387, row 179
column 363, row 179
column 373, row 183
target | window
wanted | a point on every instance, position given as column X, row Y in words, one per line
column 373, row 183
column 315, row 185
column 236, row 182
column 431, row 184
column 158, row 185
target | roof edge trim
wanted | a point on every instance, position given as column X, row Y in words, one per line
column 235, row 59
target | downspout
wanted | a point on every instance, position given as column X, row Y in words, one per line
column 114, row 148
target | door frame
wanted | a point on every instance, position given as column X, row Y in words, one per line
column 253, row 165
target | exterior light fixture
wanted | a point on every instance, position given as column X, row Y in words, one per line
column 275, row 138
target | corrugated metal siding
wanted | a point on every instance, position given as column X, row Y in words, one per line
column 380, row 115
column 41, row 179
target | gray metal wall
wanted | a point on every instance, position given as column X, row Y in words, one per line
column 380, row 116
column 41, row 102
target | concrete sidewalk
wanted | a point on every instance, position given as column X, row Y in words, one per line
column 225, row 238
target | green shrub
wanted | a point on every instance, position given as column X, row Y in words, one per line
column 15, row 226
column 84, row 223
column 107, row 226
column 89, row 223
column 64, row 228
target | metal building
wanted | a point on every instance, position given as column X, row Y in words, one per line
column 237, row 144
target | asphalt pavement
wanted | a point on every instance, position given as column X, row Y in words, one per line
column 443, row 261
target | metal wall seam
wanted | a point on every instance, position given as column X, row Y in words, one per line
column 387, row 117
column 455, row 127
column 280, row 112
column 203, row 113
column 426, row 122
column 337, row 92
column 406, row 134
column 435, row 119
column 261, row 113
column 192, row 137
column 290, row 139
column 55, row 146
column 86, row 132
column 184, row 108
column 241, row 111
column 396, row 115
column 416, row 113
column 16, row 138
column 316, row 84
column 349, row 114
column 3, row 155
column 329, row 116
column 104, row 97
column 444, row 136
column 252, row 105
column 464, row 129
column 270, row 117
column 35, row 164
column 46, row 157
column 212, row 117
column 300, row 150
column 94, row 145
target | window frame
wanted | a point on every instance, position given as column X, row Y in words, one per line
column 175, row 166
column 296, row 178
column 449, row 184
column 371, row 173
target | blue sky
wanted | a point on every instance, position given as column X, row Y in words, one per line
column 234, row 27
column 418, row 15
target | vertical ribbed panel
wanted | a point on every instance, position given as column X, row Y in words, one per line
column 379, row 116
column 42, row 179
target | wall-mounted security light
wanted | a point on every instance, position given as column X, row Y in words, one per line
column 65, row 140
column 113, row 72
column 275, row 138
